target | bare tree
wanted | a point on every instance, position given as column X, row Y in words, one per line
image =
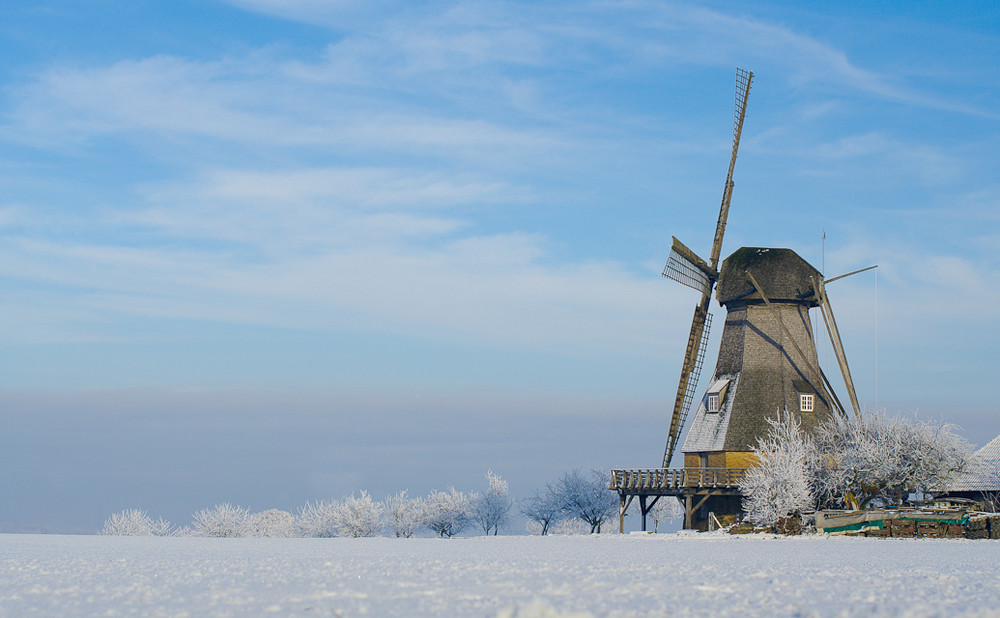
column 271, row 523
column 778, row 485
column 447, row 512
column 543, row 508
column 135, row 522
column 317, row 519
column 587, row 497
column 358, row 516
column 880, row 460
column 404, row 514
column 666, row 508
column 491, row 509
column 222, row 520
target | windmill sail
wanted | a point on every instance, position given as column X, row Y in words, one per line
column 687, row 268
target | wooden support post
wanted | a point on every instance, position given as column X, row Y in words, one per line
column 642, row 509
column 688, row 513
column 623, row 504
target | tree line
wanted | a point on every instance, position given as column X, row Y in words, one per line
column 576, row 496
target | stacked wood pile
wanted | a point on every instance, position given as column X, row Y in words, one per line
column 788, row 526
column 785, row 525
column 983, row 527
column 976, row 527
column 901, row 528
column 904, row 524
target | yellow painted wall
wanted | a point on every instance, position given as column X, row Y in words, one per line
column 721, row 460
column 718, row 459
column 740, row 460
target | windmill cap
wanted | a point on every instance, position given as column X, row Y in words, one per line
column 781, row 273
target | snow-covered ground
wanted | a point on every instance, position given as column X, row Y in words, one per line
column 606, row 575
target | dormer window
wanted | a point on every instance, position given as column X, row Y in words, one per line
column 805, row 403
column 715, row 397
column 712, row 405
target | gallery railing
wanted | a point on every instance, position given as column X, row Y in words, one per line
column 676, row 479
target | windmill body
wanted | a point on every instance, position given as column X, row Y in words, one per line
column 767, row 359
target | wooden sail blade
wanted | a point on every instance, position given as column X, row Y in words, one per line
column 694, row 356
column 838, row 345
column 743, row 82
column 860, row 270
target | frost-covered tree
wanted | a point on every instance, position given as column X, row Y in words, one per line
column 317, row 519
column 136, row 522
column 358, row 516
column 491, row 509
column 587, row 497
column 222, row 520
column 778, row 485
column 543, row 508
column 404, row 514
column 447, row 512
column 665, row 508
column 879, row 460
column 271, row 523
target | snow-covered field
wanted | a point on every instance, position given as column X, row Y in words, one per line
column 606, row 575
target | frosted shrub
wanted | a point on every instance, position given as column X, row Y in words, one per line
column 135, row 522
column 491, row 510
column 358, row 516
column 778, row 486
column 271, row 523
column 404, row 515
column 447, row 513
column 317, row 519
column 222, row 520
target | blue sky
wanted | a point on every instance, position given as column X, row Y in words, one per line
column 268, row 252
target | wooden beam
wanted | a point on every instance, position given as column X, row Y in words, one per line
column 838, row 345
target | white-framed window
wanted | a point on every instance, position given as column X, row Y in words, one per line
column 805, row 403
column 713, row 402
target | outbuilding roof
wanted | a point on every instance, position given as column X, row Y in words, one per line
column 985, row 470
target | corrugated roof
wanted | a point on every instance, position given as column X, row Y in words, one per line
column 985, row 472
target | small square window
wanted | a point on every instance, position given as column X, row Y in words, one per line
column 713, row 402
column 805, row 403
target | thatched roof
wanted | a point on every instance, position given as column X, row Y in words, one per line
column 985, row 472
column 783, row 275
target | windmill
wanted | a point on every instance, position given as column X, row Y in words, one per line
column 767, row 364
column 685, row 267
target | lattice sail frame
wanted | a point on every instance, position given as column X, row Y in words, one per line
column 682, row 270
column 689, row 391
